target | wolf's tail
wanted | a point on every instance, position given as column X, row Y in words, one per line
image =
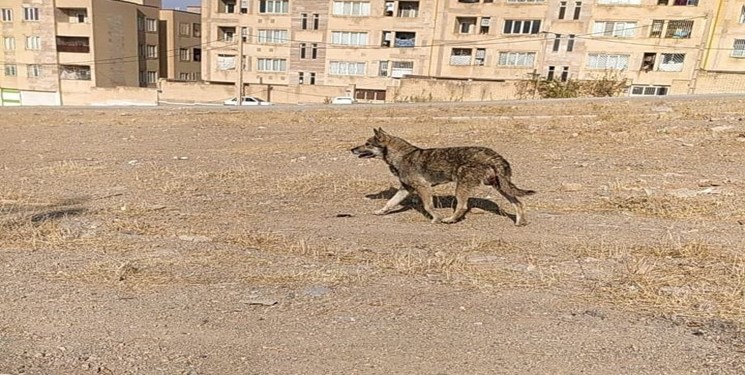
column 501, row 180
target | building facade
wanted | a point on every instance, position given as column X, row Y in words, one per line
column 180, row 45
column 58, row 49
column 368, row 45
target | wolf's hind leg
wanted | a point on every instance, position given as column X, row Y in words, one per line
column 397, row 198
column 463, row 190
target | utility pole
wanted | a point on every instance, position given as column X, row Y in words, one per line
column 239, row 67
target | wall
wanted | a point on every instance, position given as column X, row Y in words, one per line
column 720, row 83
column 217, row 92
column 122, row 95
column 443, row 90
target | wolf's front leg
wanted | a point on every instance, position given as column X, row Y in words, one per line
column 397, row 198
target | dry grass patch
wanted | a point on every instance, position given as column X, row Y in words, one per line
column 665, row 206
column 694, row 279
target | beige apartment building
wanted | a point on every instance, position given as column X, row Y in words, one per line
column 61, row 51
column 180, row 45
column 367, row 46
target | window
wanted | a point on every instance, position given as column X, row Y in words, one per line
column 562, row 9
column 225, row 62
column 648, row 90
column 33, row 42
column 461, row 56
column 304, row 21
column 648, row 61
column 244, row 10
column 314, row 51
column 738, row 48
column 401, row 68
column 274, row 6
column 404, row 39
column 485, row 24
column 466, row 25
column 383, row 69
column 184, row 54
column 184, row 29
column 686, row 2
column 351, row 8
column 408, row 9
column 369, row 95
column 33, row 70
column 141, row 27
column 656, row 30
column 9, row 43
column 679, row 29
column 75, row 72
column 518, row 59
column 6, row 14
column 244, row 34
column 30, row 14
column 151, row 26
column 347, row 68
column 617, row 29
column 312, row 78
column 273, row 36
column 271, row 65
column 605, row 61
column 316, row 21
column 480, row 57
column 671, row 62
column 227, row 6
column 300, row 78
column 226, row 34
column 742, row 14
column 196, row 54
column 196, row 29
column 302, row 50
column 564, row 74
column 349, row 38
column 557, row 43
column 151, row 51
column 522, row 26
column 152, row 77
column 570, row 43
column 577, row 9
column 75, row 15
column 550, row 73
column 11, row 70
column 183, row 76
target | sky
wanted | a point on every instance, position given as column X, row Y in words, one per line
column 173, row 4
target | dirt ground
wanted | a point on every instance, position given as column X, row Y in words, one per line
column 211, row 240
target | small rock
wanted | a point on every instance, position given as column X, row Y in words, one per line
column 260, row 301
column 707, row 183
column 722, row 128
column 133, row 162
column 180, row 158
column 571, row 186
column 316, row 291
column 194, row 238
column 344, row 215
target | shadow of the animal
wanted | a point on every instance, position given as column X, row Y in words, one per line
column 447, row 201
column 56, row 214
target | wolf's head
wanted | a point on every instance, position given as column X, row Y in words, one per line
column 375, row 146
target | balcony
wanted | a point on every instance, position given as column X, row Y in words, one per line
column 73, row 44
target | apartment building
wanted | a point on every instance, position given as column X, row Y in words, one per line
column 180, row 45
column 58, row 49
column 368, row 45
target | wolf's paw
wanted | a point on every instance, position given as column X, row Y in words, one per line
column 436, row 220
column 381, row 211
column 521, row 223
column 450, row 220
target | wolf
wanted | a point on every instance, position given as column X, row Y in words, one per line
column 419, row 169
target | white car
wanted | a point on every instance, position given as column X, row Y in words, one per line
column 247, row 100
column 343, row 100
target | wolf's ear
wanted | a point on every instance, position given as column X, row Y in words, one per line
column 379, row 132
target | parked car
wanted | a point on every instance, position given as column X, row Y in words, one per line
column 343, row 100
column 247, row 100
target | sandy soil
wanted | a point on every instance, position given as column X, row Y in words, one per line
column 183, row 240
